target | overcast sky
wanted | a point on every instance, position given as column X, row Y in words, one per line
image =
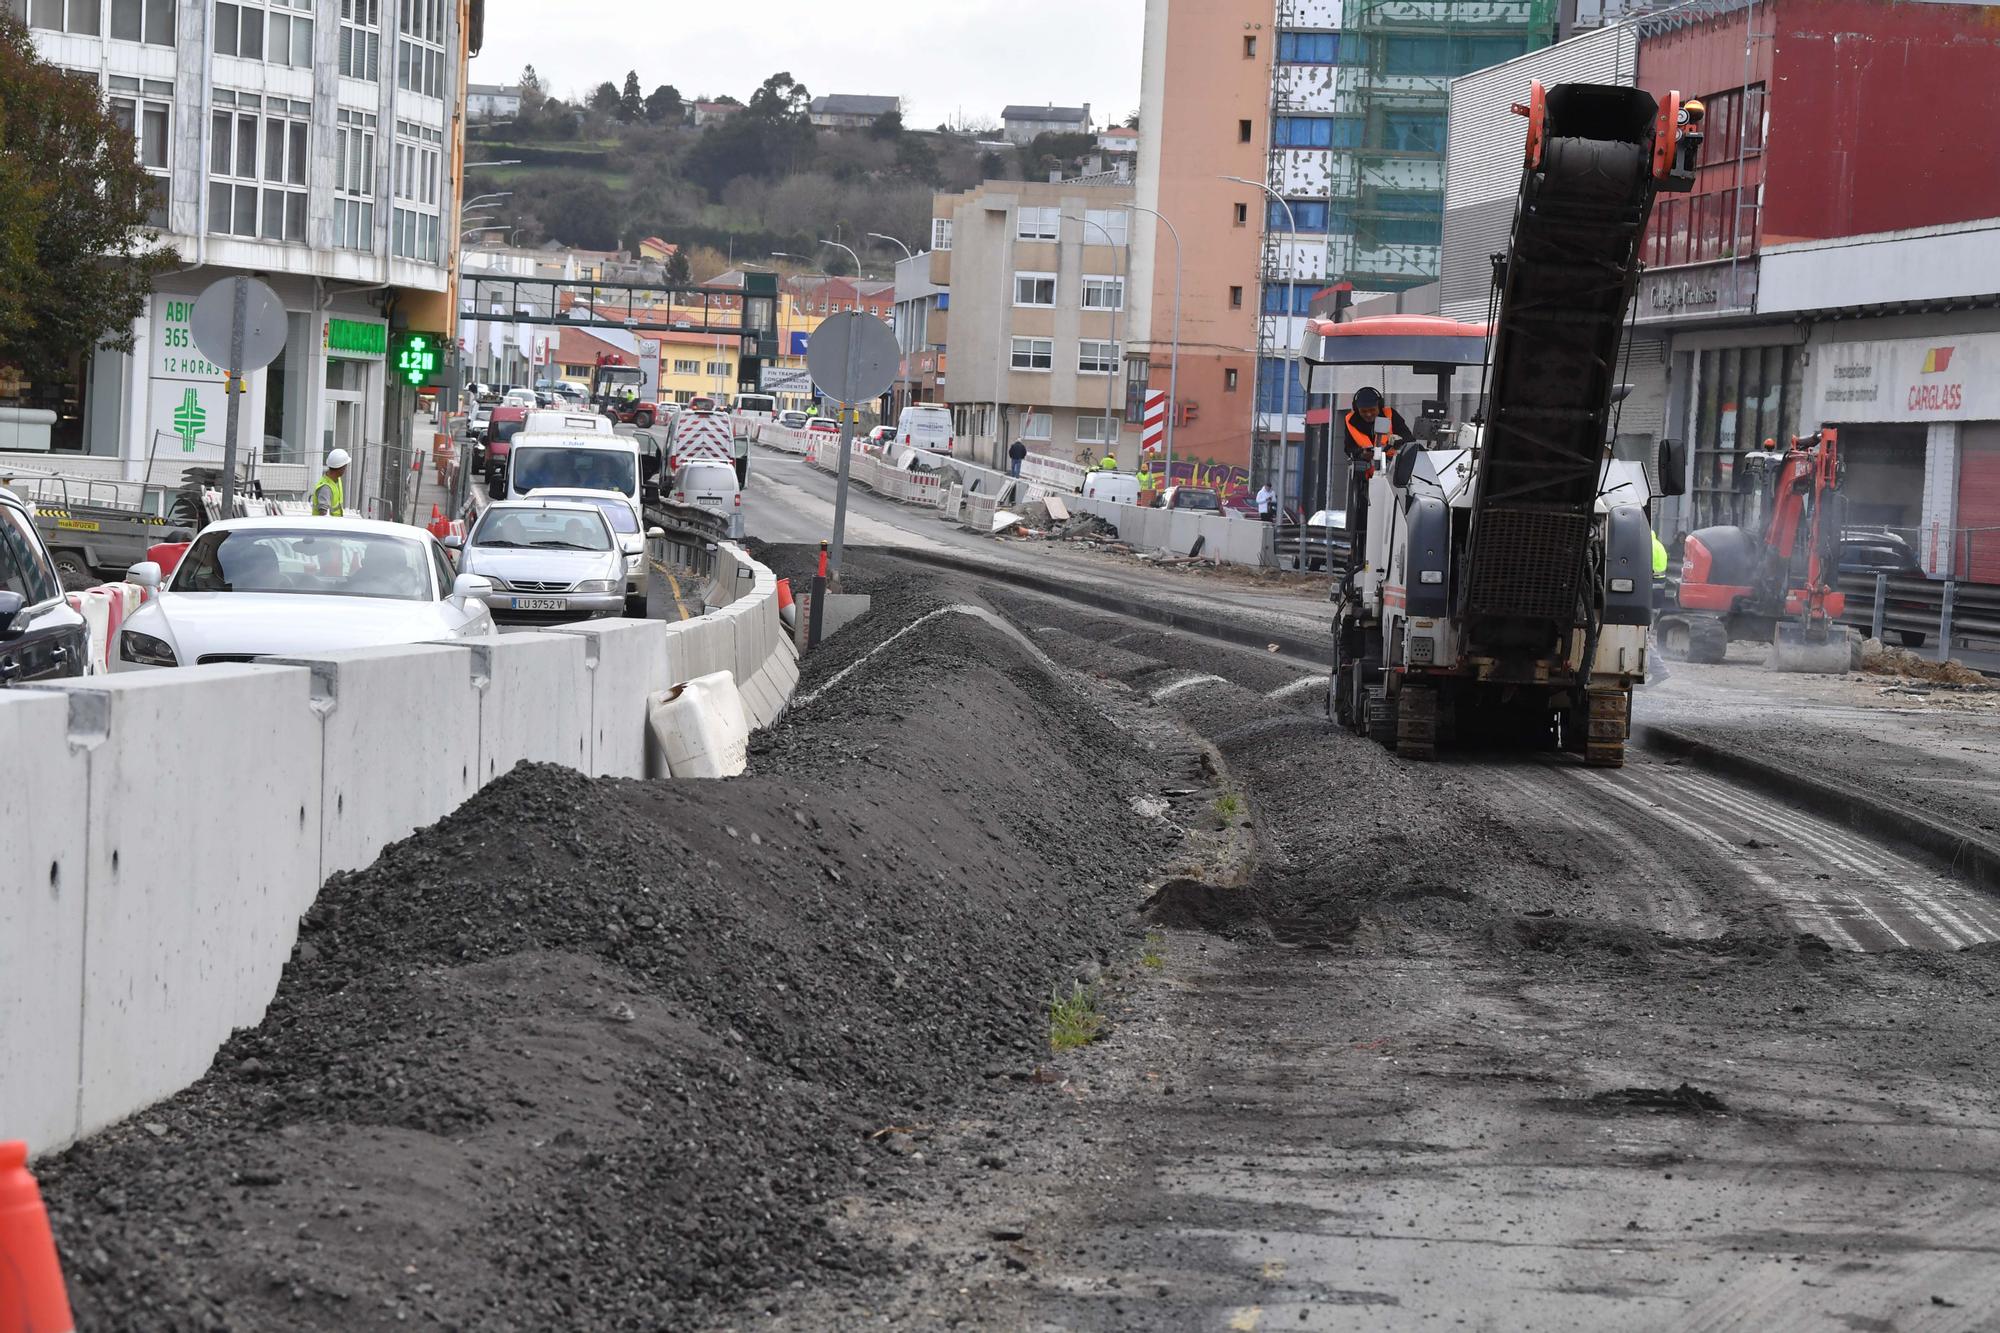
column 969, row 56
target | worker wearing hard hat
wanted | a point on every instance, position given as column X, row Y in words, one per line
column 329, row 497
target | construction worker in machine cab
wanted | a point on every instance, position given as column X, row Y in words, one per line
column 329, row 496
column 1358, row 424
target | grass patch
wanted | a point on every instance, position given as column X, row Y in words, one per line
column 1228, row 805
column 1074, row 1019
column 1151, row 955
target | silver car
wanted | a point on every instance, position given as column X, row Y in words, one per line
column 549, row 561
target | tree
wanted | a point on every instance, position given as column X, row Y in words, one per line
column 780, row 98
column 605, row 98
column 77, row 261
column 533, row 94
column 665, row 107
column 888, row 125
column 1132, row 121
column 679, row 272
column 631, row 109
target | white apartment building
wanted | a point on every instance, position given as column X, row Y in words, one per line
column 316, row 144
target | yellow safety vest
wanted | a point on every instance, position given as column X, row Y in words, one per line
column 1659, row 557
column 329, row 498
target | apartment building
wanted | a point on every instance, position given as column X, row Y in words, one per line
column 1036, row 275
column 1338, row 106
column 318, row 146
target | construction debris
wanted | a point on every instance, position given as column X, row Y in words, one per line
column 1878, row 658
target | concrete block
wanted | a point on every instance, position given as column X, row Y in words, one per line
column 534, row 700
column 627, row 662
column 204, row 801
column 45, row 812
column 375, row 786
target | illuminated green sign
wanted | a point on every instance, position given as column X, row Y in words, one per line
column 418, row 356
column 357, row 336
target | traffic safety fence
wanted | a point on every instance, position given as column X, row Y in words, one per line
column 1940, row 615
column 104, row 609
column 146, row 919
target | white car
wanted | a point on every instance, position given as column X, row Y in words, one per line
column 261, row 587
column 518, row 397
column 547, row 561
column 710, row 485
column 927, row 426
column 626, row 523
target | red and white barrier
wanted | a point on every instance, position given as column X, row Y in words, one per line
column 104, row 609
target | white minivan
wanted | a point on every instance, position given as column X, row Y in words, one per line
column 557, row 421
column 710, row 484
column 572, row 461
column 926, row 426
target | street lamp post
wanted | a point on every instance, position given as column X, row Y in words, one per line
column 1111, row 387
column 1284, row 363
column 1173, row 365
column 907, row 252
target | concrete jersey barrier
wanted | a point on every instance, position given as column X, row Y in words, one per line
column 178, row 823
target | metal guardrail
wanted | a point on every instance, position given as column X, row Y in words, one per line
column 1946, row 614
column 692, row 536
column 1298, row 546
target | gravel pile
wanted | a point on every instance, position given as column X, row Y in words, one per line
column 608, row 1054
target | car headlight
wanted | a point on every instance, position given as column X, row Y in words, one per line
column 145, row 650
column 595, row 585
column 632, row 562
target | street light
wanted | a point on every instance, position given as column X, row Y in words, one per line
column 497, row 194
column 907, row 252
column 474, row 231
column 851, row 255
column 1110, row 388
column 1291, row 276
column 1173, row 365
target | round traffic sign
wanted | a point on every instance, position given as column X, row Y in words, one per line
column 263, row 324
column 853, row 358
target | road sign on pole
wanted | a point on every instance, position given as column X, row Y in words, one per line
column 238, row 323
column 853, row 360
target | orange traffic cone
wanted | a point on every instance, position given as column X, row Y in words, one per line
column 787, row 610
column 32, row 1299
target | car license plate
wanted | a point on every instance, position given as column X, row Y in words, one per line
column 708, row 499
column 541, row 603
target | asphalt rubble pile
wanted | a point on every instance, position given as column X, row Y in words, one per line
column 1879, row 659
column 610, row 1054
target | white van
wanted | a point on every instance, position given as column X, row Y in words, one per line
column 1117, row 487
column 575, row 462
column 555, row 421
column 711, row 485
column 926, row 426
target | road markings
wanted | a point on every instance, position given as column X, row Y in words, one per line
column 673, row 583
column 1299, row 686
column 1169, row 691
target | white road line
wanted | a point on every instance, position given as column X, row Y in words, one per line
column 1169, row 691
column 1299, row 686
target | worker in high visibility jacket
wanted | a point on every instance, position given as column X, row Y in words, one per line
column 1357, row 425
column 329, row 497
column 1659, row 557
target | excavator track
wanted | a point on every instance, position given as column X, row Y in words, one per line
column 1416, row 722
column 1609, row 719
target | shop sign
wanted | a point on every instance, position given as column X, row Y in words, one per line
column 185, row 402
column 357, row 337
column 174, row 354
column 1695, row 292
column 1946, row 377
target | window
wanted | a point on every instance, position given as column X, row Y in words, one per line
column 1038, row 426
column 940, row 233
column 354, row 181
column 1101, row 293
column 1308, row 48
column 687, row 367
column 1243, row 131
column 1289, row 298
column 1038, row 224
column 1229, row 381
column 1034, row 289
column 268, row 32
column 1096, row 430
column 85, row 17
column 718, row 367
column 1272, row 386
column 1353, row 49
column 1034, row 354
column 1104, row 226
column 417, row 224
column 23, row 569
column 420, row 53
column 1249, row 48
column 1308, row 214
column 1413, row 131
column 1094, row 357
column 144, row 110
column 1242, row 215
column 253, row 193
column 361, row 39
column 1400, row 231
column 1446, row 55
column 1305, row 132
column 1235, row 298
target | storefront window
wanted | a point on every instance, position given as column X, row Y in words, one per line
column 1744, row 396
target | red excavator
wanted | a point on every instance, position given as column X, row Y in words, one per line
column 1772, row 580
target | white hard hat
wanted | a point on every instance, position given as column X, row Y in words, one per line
column 336, row 459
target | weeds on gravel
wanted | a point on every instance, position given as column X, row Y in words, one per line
column 1074, row 1019
column 1152, row 957
column 1228, row 805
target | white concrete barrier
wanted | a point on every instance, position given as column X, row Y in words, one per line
column 178, row 823
column 1227, row 538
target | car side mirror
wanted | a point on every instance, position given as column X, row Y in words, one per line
column 655, row 534
column 1406, row 467
column 471, row 586
column 453, row 542
column 1673, row 467
column 146, row 574
column 10, row 606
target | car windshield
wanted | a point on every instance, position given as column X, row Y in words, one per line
column 22, row 570
column 618, row 513
column 313, row 563
column 550, row 529
column 1197, row 500
column 574, row 469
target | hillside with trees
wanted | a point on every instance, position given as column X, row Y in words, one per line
column 621, row 163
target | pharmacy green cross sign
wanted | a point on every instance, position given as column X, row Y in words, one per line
column 189, row 420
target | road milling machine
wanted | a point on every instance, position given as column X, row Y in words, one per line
column 1504, row 586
